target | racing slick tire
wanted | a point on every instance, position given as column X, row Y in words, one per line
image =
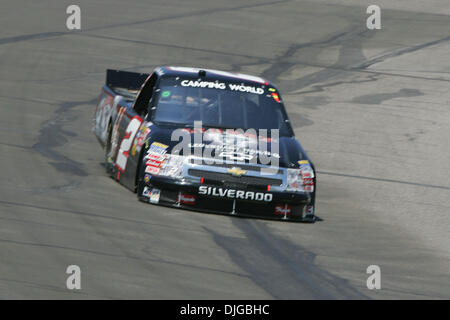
column 109, row 166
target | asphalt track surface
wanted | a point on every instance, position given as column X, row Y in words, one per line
column 370, row 107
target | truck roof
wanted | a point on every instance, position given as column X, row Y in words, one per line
column 210, row 74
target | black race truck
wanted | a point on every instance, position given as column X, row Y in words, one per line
column 205, row 140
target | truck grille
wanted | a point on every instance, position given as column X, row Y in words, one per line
column 245, row 166
column 228, row 178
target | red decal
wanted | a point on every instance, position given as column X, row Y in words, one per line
column 283, row 210
column 186, row 198
column 152, row 170
column 275, row 97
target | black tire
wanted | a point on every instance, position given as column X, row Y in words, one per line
column 109, row 166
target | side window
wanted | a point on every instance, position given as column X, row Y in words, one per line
column 145, row 95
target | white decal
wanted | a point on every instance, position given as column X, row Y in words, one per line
column 203, row 84
column 235, row 194
column 125, row 146
column 221, row 86
column 147, row 192
column 154, row 197
column 242, row 88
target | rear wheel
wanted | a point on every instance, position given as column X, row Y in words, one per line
column 109, row 166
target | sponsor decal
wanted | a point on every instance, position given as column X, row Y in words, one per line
column 203, row 84
column 147, row 192
column 306, row 172
column 158, row 148
column 140, row 139
column 155, row 157
column 276, row 97
column 237, row 156
column 219, row 135
column 235, row 194
column 293, row 186
column 237, row 172
column 242, row 88
column 234, row 152
column 185, row 198
column 154, row 163
column 222, row 86
column 147, row 178
column 284, row 210
column 308, row 211
column 152, row 170
column 154, row 197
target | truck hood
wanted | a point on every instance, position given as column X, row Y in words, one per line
column 238, row 147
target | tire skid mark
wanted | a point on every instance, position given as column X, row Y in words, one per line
column 124, row 255
column 350, row 54
column 52, row 135
column 45, row 35
column 281, row 268
column 189, row 15
column 97, row 216
column 35, row 36
column 384, row 180
column 400, row 52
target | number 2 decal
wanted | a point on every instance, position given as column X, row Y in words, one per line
column 125, row 146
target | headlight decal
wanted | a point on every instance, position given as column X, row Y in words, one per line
column 294, row 180
column 172, row 166
column 307, row 174
column 301, row 179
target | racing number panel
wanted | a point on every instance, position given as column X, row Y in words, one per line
column 126, row 161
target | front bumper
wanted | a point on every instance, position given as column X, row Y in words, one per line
column 171, row 192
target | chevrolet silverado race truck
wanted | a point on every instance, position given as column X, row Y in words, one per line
column 204, row 140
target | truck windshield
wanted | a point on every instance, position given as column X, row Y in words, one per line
column 181, row 101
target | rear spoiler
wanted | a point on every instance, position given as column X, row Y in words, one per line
column 125, row 79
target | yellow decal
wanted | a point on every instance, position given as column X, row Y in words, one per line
column 157, row 144
column 237, row 172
